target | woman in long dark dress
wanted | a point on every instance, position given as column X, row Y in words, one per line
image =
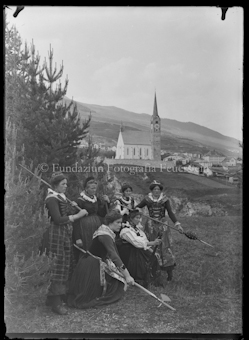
column 58, row 240
column 158, row 203
column 84, row 228
column 136, row 251
column 100, row 276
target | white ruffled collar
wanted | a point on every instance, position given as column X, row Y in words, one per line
column 87, row 198
column 126, row 201
column 156, row 199
column 52, row 193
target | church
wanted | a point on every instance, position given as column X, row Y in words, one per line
column 141, row 144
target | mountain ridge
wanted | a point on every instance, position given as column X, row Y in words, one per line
column 169, row 127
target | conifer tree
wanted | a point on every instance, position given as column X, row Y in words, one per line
column 49, row 130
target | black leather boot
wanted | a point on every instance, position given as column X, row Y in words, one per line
column 57, row 306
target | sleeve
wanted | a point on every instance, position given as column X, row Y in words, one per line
column 102, row 208
column 54, row 211
column 80, row 203
column 142, row 204
column 170, row 212
column 130, row 236
column 111, row 251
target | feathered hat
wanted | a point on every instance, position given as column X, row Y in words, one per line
column 156, row 184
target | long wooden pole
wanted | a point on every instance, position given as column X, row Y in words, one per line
column 42, row 180
column 153, row 219
column 137, row 285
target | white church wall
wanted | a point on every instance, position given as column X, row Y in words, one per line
column 137, row 152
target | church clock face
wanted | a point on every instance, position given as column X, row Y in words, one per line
column 157, row 127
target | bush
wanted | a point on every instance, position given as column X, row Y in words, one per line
column 25, row 222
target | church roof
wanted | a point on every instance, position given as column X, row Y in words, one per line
column 136, row 137
column 155, row 112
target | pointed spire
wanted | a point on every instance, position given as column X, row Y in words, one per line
column 121, row 127
column 155, row 112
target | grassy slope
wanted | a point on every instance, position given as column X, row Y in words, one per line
column 206, row 289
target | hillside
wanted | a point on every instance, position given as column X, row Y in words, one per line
column 176, row 136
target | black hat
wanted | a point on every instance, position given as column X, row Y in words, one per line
column 125, row 186
column 156, row 184
column 89, row 179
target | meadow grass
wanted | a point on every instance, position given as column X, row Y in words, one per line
column 206, row 292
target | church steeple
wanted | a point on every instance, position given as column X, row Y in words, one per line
column 155, row 112
column 155, row 128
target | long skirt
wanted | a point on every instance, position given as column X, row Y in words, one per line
column 164, row 251
column 141, row 264
column 57, row 241
column 83, row 229
column 85, row 289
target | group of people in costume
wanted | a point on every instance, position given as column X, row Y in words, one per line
column 98, row 251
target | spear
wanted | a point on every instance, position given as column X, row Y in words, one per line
column 189, row 234
column 135, row 284
column 42, row 180
column 153, row 295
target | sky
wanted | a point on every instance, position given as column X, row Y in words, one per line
column 121, row 56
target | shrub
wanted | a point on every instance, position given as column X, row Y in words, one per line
column 25, row 222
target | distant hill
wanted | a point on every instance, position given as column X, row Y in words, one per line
column 176, row 136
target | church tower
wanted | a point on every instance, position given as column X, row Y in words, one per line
column 155, row 130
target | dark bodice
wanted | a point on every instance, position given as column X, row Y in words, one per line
column 93, row 208
column 103, row 246
column 157, row 209
column 59, row 210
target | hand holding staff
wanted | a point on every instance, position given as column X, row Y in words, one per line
column 188, row 234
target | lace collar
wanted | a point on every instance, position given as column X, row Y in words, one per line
column 87, row 198
column 126, row 201
column 104, row 230
column 52, row 193
column 160, row 198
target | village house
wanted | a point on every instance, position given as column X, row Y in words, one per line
column 213, row 157
column 141, row 144
column 229, row 161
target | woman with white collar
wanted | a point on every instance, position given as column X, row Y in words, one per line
column 100, row 277
column 96, row 210
column 126, row 202
column 136, row 251
column 58, row 240
column 157, row 204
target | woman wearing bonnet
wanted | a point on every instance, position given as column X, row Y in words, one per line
column 157, row 204
column 96, row 209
